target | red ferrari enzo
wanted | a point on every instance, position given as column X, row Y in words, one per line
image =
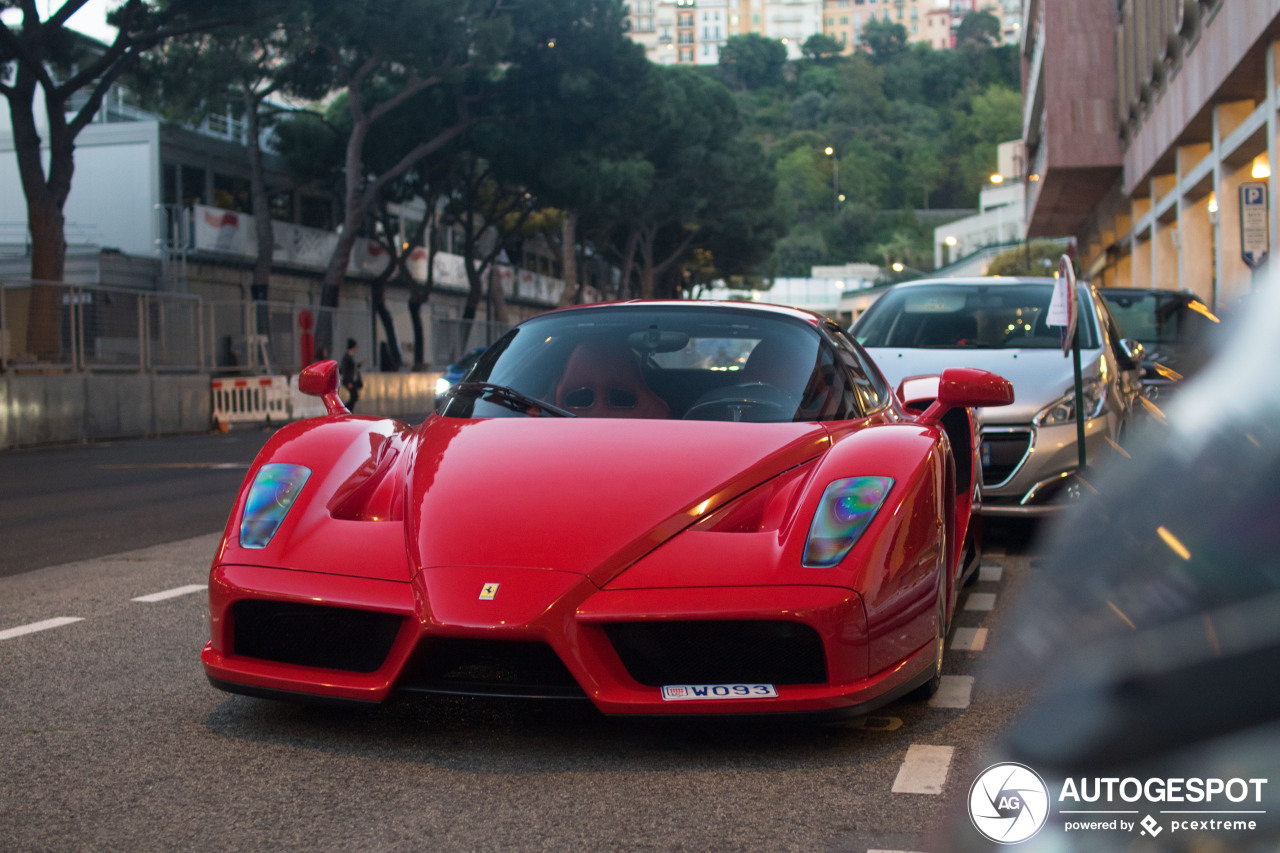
column 662, row 508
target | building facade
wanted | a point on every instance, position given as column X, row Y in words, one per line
column 692, row 32
column 1151, row 135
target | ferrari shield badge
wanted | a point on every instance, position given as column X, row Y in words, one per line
column 488, row 591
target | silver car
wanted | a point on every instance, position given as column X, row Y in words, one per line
column 1029, row 450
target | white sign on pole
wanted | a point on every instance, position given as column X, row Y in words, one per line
column 1062, row 307
column 1255, row 223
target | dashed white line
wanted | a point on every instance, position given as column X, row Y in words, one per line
column 924, row 770
column 969, row 640
column 990, row 573
column 57, row 622
column 954, row 692
column 172, row 593
column 980, row 601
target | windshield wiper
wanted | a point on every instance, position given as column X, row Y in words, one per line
column 517, row 401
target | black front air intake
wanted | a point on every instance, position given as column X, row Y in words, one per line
column 719, row 652
column 462, row 666
column 313, row 635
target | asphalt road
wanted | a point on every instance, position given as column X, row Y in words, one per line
column 59, row 504
column 111, row 738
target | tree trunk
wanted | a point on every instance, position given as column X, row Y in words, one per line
column 568, row 259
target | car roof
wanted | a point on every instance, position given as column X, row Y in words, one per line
column 702, row 305
column 969, row 281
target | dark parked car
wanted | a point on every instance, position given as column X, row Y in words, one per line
column 454, row 372
column 1175, row 328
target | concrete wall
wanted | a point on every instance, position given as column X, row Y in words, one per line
column 61, row 408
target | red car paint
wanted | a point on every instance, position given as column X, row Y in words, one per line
column 587, row 543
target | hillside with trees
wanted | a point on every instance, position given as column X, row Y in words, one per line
column 912, row 133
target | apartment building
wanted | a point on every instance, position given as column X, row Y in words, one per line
column 1151, row 135
column 693, row 31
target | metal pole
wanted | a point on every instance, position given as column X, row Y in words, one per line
column 1080, row 411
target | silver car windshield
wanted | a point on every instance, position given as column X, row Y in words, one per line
column 987, row 316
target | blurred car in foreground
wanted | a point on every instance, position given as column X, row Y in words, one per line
column 1147, row 635
column 1174, row 327
column 454, row 373
column 614, row 507
column 1029, row 449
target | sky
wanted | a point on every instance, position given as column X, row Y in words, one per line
column 90, row 20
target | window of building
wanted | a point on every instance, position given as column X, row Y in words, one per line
column 191, row 191
column 280, row 203
column 231, row 192
column 316, row 212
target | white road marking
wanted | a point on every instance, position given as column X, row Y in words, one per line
column 58, row 622
column 954, row 692
column 172, row 593
column 990, row 573
column 980, row 601
column 969, row 640
column 924, row 770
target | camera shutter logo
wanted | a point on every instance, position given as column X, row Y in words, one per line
column 1008, row 803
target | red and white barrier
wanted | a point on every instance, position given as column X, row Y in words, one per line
column 253, row 399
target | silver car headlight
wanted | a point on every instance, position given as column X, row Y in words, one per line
column 1063, row 410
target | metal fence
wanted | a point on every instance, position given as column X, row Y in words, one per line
column 60, row 327
column 280, row 337
column 451, row 338
column 54, row 326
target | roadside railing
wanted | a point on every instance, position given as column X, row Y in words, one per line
column 55, row 326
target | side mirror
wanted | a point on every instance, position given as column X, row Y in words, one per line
column 320, row 379
column 1134, row 350
column 967, row 387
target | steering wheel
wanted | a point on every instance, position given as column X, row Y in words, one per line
column 756, row 402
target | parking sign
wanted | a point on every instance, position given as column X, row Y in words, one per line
column 1255, row 224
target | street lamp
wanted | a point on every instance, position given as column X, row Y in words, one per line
column 900, row 267
column 836, row 198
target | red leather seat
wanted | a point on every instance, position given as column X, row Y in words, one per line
column 602, row 380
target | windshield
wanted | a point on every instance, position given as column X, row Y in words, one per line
column 949, row 316
column 1161, row 318
column 692, row 363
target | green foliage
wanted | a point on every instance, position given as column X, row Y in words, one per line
column 752, row 61
column 978, row 28
column 821, row 46
column 1038, row 257
column 884, row 39
column 913, row 128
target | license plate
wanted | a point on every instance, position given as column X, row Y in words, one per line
column 682, row 692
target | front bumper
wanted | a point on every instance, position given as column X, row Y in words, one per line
column 1044, row 479
column 546, row 634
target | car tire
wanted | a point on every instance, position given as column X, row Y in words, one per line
column 930, row 687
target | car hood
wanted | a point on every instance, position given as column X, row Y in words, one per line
column 1039, row 376
column 587, row 496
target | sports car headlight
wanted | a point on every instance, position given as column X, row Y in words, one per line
column 844, row 513
column 1063, row 410
column 274, row 490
